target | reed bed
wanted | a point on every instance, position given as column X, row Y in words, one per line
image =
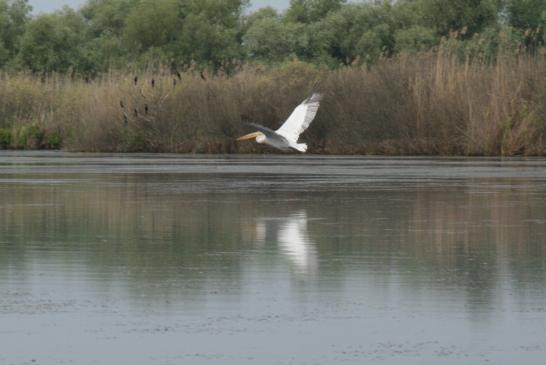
column 426, row 104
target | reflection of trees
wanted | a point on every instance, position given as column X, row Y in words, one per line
column 165, row 245
column 464, row 237
column 147, row 231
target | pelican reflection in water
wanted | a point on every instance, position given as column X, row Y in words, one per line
column 292, row 238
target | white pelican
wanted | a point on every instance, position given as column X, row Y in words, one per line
column 286, row 137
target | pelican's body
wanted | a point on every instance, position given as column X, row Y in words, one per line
column 286, row 137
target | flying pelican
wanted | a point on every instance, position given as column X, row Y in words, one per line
column 286, row 137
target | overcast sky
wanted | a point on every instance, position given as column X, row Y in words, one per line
column 49, row 5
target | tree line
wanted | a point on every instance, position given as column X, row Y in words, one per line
column 221, row 34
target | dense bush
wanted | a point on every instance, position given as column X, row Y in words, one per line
column 5, row 138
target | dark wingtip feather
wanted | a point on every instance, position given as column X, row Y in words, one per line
column 314, row 98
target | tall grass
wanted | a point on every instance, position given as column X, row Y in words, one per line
column 430, row 103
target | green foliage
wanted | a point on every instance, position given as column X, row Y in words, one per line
column 104, row 43
column 206, row 32
column 414, row 39
column 53, row 42
column 210, row 32
column 529, row 17
column 309, row 11
column 14, row 16
column 526, row 14
column 361, row 32
column 487, row 45
column 219, row 34
column 5, row 138
column 27, row 136
column 262, row 13
column 107, row 17
column 464, row 16
column 151, row 23
column 53, row 141
column 269, row 39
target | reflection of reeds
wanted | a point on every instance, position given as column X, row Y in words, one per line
column 423, row 223
column 465, row 237
column 430, row 103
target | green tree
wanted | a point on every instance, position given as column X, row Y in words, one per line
column 53, row 42
column 107, row 34
column 529, row 17
column 526, row 14
column 464, row 16
column 414, row 39
column 106, row 21
column 210, row 32
column 107, row 17
column 270, row 39
column 262, row 13
column 152, row 23
column 362, row 31
column 14, row 16
column 308, row 11
column 207, row 32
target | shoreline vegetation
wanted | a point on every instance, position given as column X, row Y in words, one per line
column 400, row 77
column 422, row 104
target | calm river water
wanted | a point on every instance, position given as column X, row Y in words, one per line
column 170, row 259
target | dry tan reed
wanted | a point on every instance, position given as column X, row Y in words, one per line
column 427, row 104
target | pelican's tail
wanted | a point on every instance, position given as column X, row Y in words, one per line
column 302, row 147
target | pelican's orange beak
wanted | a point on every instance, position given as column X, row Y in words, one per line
column 246, row 137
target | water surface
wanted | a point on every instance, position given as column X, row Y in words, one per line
column 169, row 259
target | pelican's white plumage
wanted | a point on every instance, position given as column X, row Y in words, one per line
column 288, row 134
column 300, row 119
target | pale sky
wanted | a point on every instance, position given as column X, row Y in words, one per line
column 49, row 5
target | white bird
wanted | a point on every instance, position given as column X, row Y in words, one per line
column 286, row 137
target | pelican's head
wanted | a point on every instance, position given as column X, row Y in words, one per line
column 260, row 137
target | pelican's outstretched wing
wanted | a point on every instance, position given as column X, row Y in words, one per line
column 300, row 118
